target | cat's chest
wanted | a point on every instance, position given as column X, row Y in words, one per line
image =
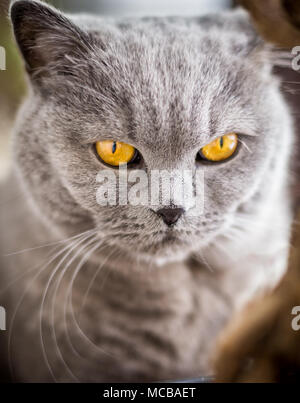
column 142, row 330
column 153, row 327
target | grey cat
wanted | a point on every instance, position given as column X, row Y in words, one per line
column 125, row 295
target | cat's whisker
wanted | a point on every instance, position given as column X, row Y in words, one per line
column 246, row 146
column 85, row 337
column 291, row 82
column 233, row 234
column 69, row 293
column 87, row 244
column 246, row 222
column 45, row 245
column 27, row 272
column 206, row 262
column 282, row 56
column 222, row 248
column 27, row 288
column 73, row 246
column 282, row 63
column 293, row 92
column 84, row 299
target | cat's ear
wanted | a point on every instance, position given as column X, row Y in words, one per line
column 46, row 37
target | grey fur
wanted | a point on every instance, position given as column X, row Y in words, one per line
column 168, row 86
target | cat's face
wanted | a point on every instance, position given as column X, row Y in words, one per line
column 167, row 88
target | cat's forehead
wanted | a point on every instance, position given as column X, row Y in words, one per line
column 173, row 85
column 170, row 58
column 186, row 41
column 156, row 78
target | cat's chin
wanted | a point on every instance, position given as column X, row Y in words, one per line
column 164, row 254
column 161, row 259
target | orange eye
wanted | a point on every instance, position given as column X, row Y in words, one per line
column 115, row 153
column 220, row 149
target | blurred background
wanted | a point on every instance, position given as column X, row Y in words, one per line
column 143, row 7
column 12, row 81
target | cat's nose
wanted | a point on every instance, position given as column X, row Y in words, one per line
column 170, row 215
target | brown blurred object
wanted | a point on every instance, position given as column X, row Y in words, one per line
column 260, row 345
column 278, row 21
column 293, row 9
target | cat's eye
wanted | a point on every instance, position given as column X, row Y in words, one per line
column 115, row 153
column 220, row 149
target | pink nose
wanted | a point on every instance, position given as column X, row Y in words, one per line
column 170, row 215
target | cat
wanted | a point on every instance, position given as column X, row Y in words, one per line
column 116, row 293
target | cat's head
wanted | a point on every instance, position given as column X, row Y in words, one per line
column 168, row 88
